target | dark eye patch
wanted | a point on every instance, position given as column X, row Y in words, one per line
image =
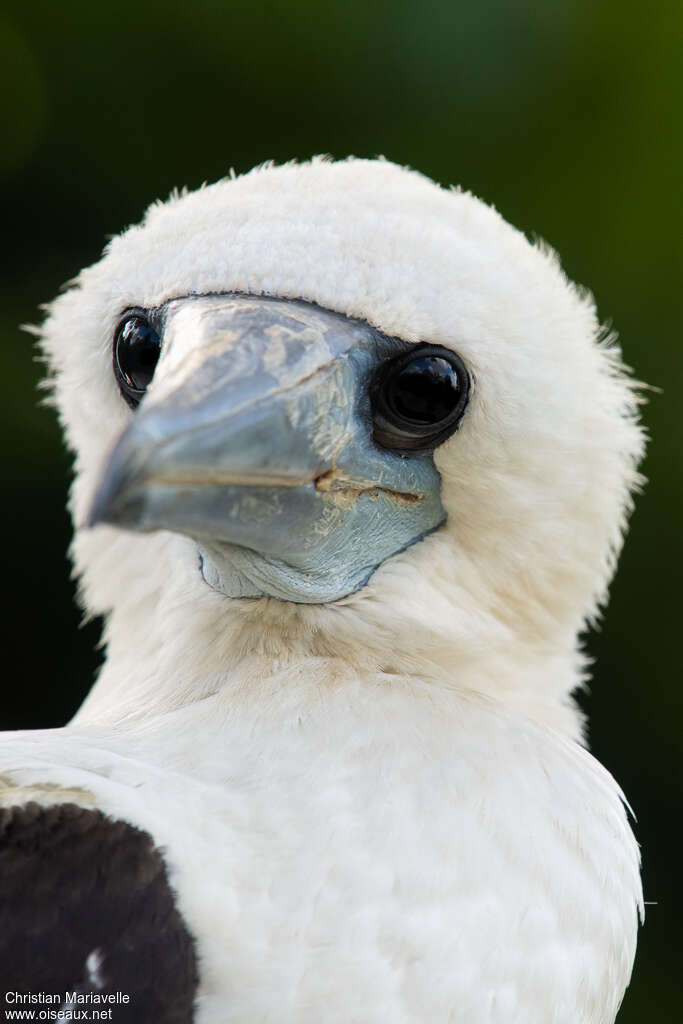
column 419, row 398
column 137, row 346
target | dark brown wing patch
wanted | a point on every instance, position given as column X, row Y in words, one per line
column 85, row 906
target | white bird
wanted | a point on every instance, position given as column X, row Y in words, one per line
column 352, row 466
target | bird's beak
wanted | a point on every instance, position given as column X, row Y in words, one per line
column 255, row 435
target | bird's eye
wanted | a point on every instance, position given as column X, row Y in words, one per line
column 418, row 399
column 136, row 353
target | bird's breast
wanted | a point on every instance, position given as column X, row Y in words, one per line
column 362, row 863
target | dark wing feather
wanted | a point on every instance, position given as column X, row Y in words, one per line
column 85, row 905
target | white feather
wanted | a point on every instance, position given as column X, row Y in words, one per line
column 376, row 810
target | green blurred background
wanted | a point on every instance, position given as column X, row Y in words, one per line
column 565, row 115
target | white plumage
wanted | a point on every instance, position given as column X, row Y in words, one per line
column 379, row 808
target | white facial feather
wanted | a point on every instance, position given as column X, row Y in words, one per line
column 536, row 482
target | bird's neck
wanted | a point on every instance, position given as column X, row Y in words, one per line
column 172, row 641
column 267, row 650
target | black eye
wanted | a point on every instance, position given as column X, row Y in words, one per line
column 419, row 398
column 136, row 353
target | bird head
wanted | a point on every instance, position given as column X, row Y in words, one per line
column 334, row 407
